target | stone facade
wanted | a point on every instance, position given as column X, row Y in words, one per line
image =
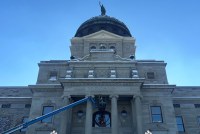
column 137, row 93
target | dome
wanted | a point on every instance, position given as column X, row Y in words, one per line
column 103, row 22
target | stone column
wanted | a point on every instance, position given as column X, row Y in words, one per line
column 114, row 114
column 138, row 110
column 88, row 120
column 65, row 117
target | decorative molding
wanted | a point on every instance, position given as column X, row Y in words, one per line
column 101, row 84
column 114, row 96
column 102, row 34
column 45, row 127
column 48, row 103
column 137, row 95
column 46, row 88
column 66, row 96
column 117, row 57
column 158, row 127
column 155, row 86
column 89, row 95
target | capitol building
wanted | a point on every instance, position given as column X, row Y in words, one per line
column 135, row 93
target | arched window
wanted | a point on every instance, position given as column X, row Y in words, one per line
column 92, row 47
column 102, row 47
column 112, row 47
column 101, row 119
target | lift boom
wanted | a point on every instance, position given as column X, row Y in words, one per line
column 26, row 124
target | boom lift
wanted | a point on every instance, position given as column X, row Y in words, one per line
column 26, row 124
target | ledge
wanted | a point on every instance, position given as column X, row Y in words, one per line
column 102, row 80
column 147, row 86
column 46, row 88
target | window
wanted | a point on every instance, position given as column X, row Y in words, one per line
column 53, row 76
column 156, row 114
column 5, row 105
column 198, row 120
column 46, row 110
column 112, row 47
column 27, row 105
column 101, row 119
column 180, row 125
column 24, row 120
column 150, row 75
column 176, row 105
column 102, row 46
column 197, row 105
column 92, row 47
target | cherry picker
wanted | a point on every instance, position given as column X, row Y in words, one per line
column 26, row 124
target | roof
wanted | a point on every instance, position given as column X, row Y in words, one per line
column 103, row 22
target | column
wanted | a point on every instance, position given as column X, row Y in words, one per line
column 114, row 114
column 138, row 110
column 88, row 120
column 65, row 117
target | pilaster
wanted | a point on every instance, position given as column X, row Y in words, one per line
column 65, row 117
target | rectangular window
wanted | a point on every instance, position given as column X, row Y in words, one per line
column 46, row 110
column 5, row 105
column 24, row 120
column 176, row 105
column 27, row 105
column 156, row 114
column 197, row 105
column 53, row 76
column 198, row 119
column 150, row 75
column 180, row 125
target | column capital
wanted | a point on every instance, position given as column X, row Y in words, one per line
column 89, row 95
column 66, row 96
column 114, row 96
column 137, row 95
column 66, row 99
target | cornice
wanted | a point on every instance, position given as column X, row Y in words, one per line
column 46, row 88
column 101, row 80
column 158, row 86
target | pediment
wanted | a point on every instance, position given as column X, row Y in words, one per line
column 103, row 35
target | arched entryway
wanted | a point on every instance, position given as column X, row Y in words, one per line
column 101, row 119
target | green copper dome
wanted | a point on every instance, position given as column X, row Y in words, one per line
column 103, row 22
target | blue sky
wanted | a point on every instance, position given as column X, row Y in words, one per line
column 36, row 30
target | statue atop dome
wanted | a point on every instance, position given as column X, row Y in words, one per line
column 103, row 10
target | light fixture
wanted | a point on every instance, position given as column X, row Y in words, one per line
column 53, row 132
column 101, row 103
column 148, row 132
column 80, row 113
column 124, row 113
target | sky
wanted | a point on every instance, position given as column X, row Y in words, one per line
column 40, row 30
